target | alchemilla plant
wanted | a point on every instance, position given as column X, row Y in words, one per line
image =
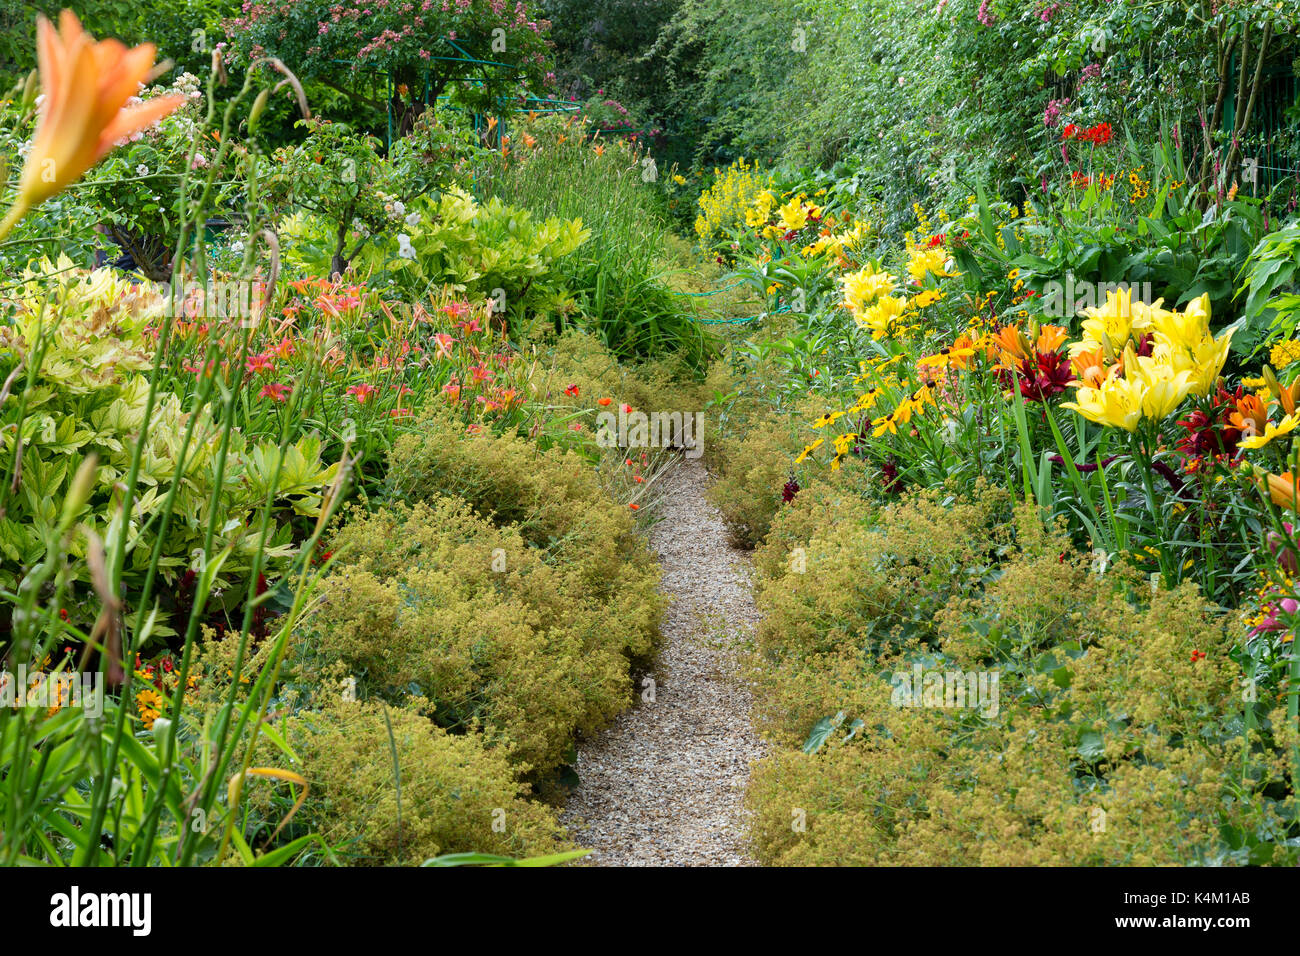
column 390, row 392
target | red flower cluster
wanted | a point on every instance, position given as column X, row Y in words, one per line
column 790, row 490
column 1044, row 375
column 1098, row 135
column 1211, row 435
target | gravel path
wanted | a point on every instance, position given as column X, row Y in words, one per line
column 664, row 785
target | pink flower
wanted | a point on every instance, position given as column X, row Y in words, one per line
column 275, row 392
column 362, row 392
column 260, row 363
column 1052, row 114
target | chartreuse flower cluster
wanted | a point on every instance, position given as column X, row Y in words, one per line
column 724, row 205
column 1138, row 361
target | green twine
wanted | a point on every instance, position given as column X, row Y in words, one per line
column 738, row 320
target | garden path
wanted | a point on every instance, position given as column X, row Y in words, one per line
column 664, row 784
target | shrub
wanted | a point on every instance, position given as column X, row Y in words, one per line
column 556, row 503
column 753, row 468
column 452, row 789
column 1115, row 739
column 877, row 579
column 434, row 602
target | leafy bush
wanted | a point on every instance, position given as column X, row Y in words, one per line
column 488, row 251
column 875, row 580
column 555, row 502
column 389, row 788
column 424, row 55
column 753, row 465
column 1086, row 756
column 437, row 603
column 84, row 364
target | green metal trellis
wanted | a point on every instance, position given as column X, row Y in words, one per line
column 533, row 104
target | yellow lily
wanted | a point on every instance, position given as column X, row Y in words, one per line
column 1163, row 385
column 1188, row 329
column 1113, row 322
column 84, row 114
column 1118, row 403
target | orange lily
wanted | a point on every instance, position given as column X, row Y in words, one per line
column 1090, row 367
column 1250, row 415
column 84, row 113
column 1051, row 338
column 1282, row 490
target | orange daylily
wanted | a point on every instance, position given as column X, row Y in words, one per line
column 1250, row 416
column 84, row 113
column 1051, row 338
column 1282, row 490
column 1012, row 341
column 1090, row 367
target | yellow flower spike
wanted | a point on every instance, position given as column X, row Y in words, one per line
column 84, row 114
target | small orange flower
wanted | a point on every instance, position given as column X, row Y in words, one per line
column 603, row 401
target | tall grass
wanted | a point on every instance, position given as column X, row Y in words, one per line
column 554, row 167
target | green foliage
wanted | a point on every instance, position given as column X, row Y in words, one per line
column 1272, row 309
column 436, row 603
column 424, row 58
column 390, row 788
column 1082, row 750
column 556, row 503
column 84, row 365
column 617, row 276
column 488, row 251
column 338, row 177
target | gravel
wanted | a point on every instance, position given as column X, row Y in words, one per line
column 664, row 784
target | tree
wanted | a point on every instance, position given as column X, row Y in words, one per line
column 491, row 49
